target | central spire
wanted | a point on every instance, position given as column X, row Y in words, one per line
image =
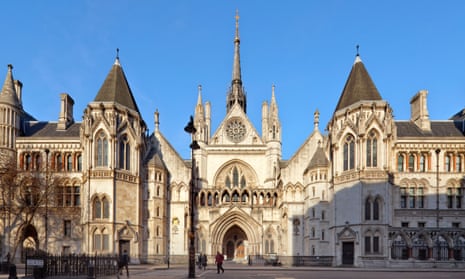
column 236, row 92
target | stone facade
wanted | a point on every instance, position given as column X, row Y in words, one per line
column 372, row 191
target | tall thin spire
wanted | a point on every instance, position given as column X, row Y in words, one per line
column 236, row 93
column 237, row 62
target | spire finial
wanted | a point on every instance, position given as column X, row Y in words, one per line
column 10, row 67
column 237, row 26
column 157, row 120
column 117, row 57
column 357, row 57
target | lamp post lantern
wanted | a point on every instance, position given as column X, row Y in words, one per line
column 193, row 146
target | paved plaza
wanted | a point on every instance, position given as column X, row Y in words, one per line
column 241, row 271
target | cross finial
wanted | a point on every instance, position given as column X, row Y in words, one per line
column 358, row 54
column 117, row 53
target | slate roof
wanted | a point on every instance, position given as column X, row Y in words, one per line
column 318, row 160
column 116, row 89
column 156, row 161
column 446, row 128
column 358, row 87
column 459, row 116
column 49, row 129
column 8, row 92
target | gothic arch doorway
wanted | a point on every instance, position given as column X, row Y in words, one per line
column 29, row 242
column 235, row 242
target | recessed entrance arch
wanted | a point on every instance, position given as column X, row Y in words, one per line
column 29, row 241
column 236, row 234
column 235, row 241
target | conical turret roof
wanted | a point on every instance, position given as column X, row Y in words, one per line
column 116, row 89
column 8, row 94
column 359, row 87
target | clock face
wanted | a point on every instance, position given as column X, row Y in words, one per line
column 236, row 130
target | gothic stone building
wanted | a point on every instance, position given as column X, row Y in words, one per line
column 372, row 191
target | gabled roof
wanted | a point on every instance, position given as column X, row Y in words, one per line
column 359, row 87
column 116, row 89
column 447, row 128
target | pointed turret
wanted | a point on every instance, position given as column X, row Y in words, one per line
column 359, row 86
column 275, row 125
column 10, row 105
column 236, row 93
column 199, row 118
column 116, row 89
column 8, row 94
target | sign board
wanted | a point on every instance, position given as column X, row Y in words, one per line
column 35, row 262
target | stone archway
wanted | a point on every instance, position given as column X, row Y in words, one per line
column 235, row 241
column 29, row 241
column 236, row 234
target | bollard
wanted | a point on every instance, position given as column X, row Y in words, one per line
column 12, row 272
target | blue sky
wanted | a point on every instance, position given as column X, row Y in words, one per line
column 167, row 48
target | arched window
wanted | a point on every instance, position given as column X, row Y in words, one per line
column 235, row 196
column 102, row 150
column 69, row 162
column 372, row 150
column 124, row 153
column 458, row 163
column 210, row 199
column 400, row 162
column 97, row 209
column 27, row 162
column 411, row 163
column 202, row 199
column 226, row 197
column 106, row 208
column 376, row 204
column 448, row 163
column 349, row 153
column 79, row 162
column 37, row 162
column 235, row 178
column 101, row 208
column 368, row 209
column 244, row 197
column 422, row 163
column 59, row 162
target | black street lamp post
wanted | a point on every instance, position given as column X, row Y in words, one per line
column 194, row 145
column 46, row 199
column 437, row 204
